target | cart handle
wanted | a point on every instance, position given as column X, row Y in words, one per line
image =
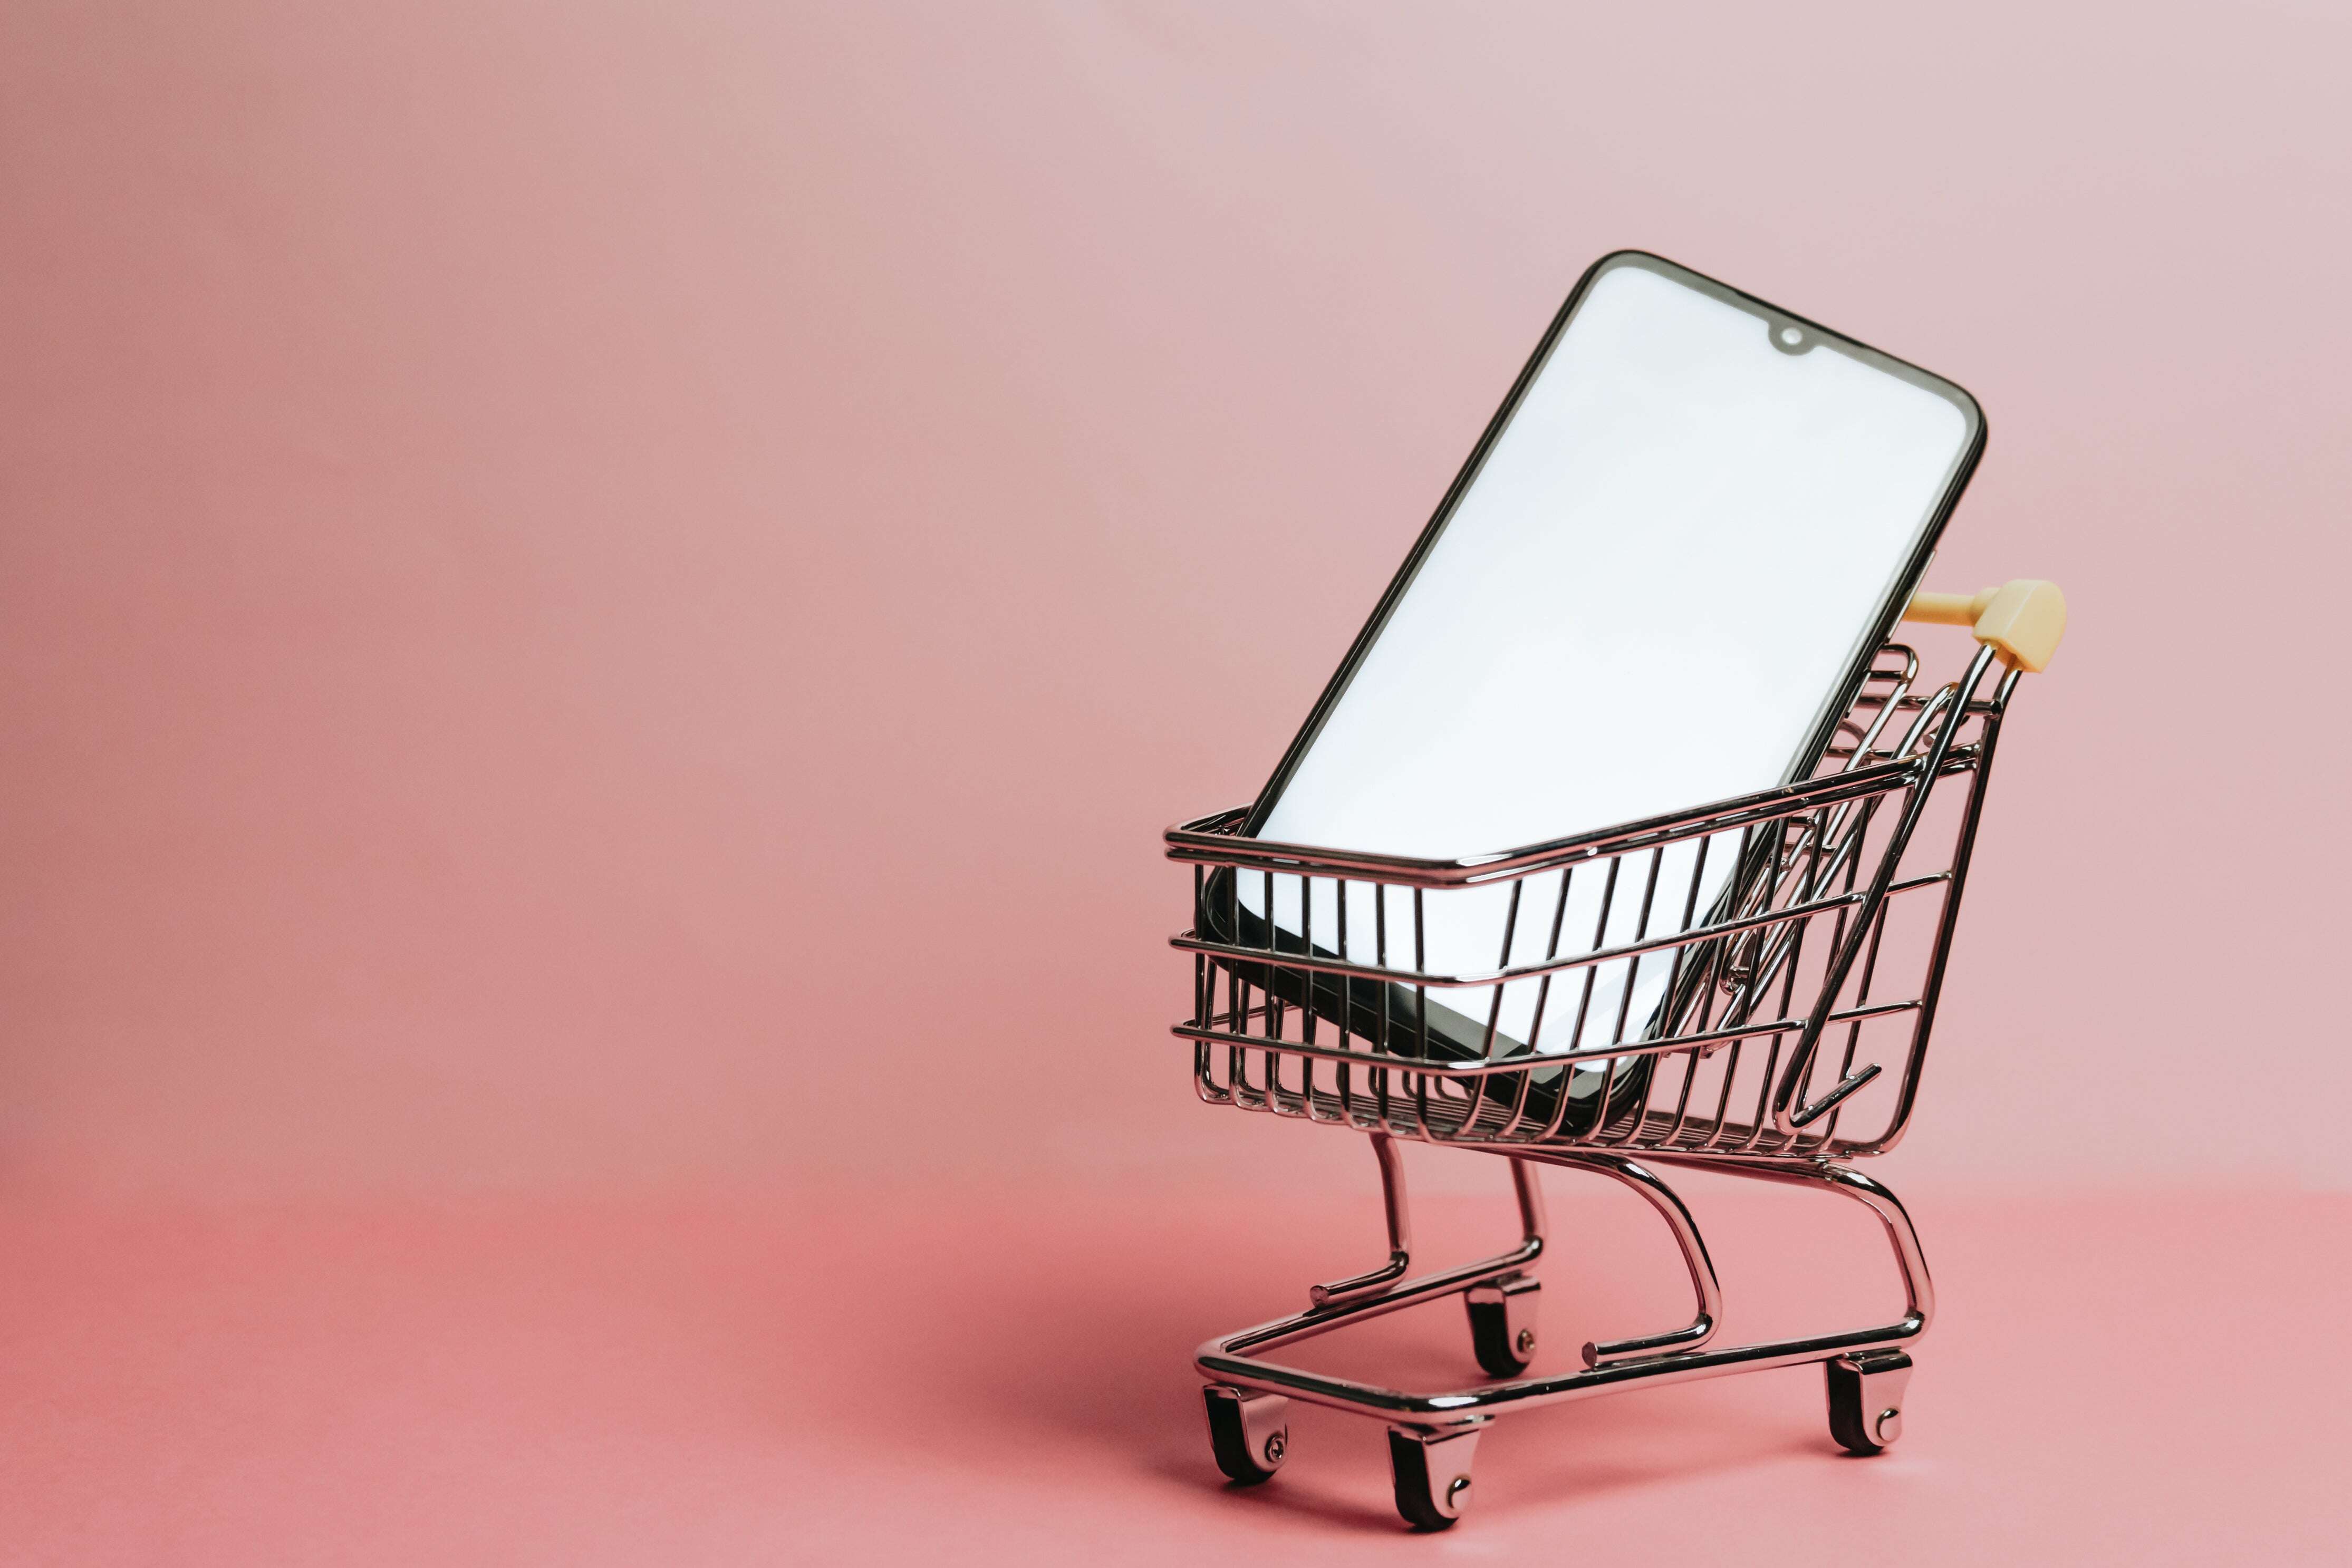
column 2023, row 620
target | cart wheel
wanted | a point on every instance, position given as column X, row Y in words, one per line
column 1431, row 1474
column 1866, row 1399
column 1503, row 1324
column 1250, row 1433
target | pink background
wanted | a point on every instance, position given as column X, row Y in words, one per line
column 603, row 604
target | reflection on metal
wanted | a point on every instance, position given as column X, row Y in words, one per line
column 1836, row 927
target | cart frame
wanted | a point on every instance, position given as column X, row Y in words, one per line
column 1833, row 852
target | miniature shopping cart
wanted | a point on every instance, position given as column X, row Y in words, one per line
column 1794, row 1018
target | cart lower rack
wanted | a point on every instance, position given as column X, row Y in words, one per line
column 1773, row 1029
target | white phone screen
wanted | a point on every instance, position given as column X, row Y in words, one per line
column 1649, row 593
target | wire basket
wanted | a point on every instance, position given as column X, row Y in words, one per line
column 1703, row 983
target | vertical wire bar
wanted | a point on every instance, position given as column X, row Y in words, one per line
column 1797, row 928
column 1853, row 1030
column 1237, row 992
column 1387, row 1025
column 1675, row 982
column 1552, row 952
column 1869, row 965
column 1277, row 1010
column 1755, row 985
column 1747, row 901
column 1614, row 1068
column 1717, row 962
column 1420, row 1013
column 1204, row 995
column 1543, row 1006
column 1510, row 930
column 1481, row 1088
column 1307, row 950
column 1689, row 1058
column 1797, row 889
column 1754, row 851
column 1723, row 1100
column 1762, row 841
column 1696, row 1055
column 1787, row 994
column 1837, row 938
column 1421, row 987
column 1584, row 1002
column 1237, row 1023
column 1306, row 992
column 1343, row 1072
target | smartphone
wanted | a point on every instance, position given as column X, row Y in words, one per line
column 1658, row 582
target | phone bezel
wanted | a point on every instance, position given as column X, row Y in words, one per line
column 1834, row 706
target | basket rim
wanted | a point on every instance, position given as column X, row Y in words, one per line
column 1214, row 839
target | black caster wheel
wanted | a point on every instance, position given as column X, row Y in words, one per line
column 1503, row 1324
column 1250, row 1433
column 1865, row 1392
column 1432, row 1475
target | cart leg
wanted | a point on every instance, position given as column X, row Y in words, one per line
column 1707, row 1291
column 1250, row 1433
column 1432, row 1471
column 1865, row 1391
column 1400, row 1218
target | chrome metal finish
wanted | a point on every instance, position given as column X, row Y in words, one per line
column 1399, row 1218
column 1230, row 1359
column 1250, row 1431
column 1432, row 1470
column 1834, row 934
column 1703, row 1284
column 1865, row 1398
column 1796, row 1021
column 1266, row 1419
column 1502, row 1315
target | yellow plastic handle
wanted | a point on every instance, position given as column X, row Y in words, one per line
column 2022, row 621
